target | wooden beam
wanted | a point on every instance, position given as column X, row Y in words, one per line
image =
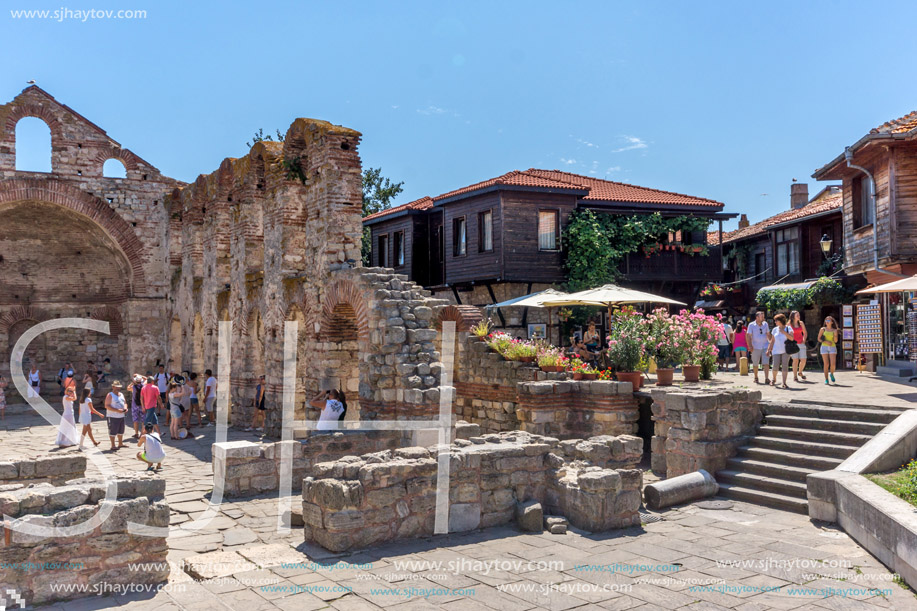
column 493, row 299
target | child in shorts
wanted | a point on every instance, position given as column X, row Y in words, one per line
column 153, row 452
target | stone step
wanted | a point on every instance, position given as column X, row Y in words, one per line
column 767, row 499
column 818, row 425
column 763, row 483
column 769, row 469
column 772, row 429
column 855, row 406
column 807, row 448
column 858, row 414
column 781, row 457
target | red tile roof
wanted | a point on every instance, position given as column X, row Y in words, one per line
column 598, row 190
column 424, row 203
column 897, row 126
column 825, row 202
column 713, row 237
column 608, row 190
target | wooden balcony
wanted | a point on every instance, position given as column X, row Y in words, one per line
column 674, row 265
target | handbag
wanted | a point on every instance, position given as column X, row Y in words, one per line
column 791, row 346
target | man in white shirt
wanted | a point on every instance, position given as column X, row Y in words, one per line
column 210, row 396
column 759, row 336
column 162, row 383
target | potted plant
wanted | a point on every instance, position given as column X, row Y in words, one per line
column 589, row 372
column 482, row 329
column 551, row 359
column 526, row 351
column 697, row 335
column 576, row 367
column 626, row 344
column 499, row 342
column 664, row 344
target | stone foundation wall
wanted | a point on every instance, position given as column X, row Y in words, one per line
column 97, row 558
column 51, row 469
column 701, row 429
column 358, row 502
column 248, row 468
column 503, row 395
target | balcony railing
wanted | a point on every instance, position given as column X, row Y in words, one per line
column 674, row 265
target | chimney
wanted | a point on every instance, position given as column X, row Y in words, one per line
column 743, row 221
column 799, row 195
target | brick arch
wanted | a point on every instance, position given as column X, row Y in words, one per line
column 465, row 317
column 345, row 293
column 112, row 316
column 19, row 314
column 127, row 158
column 23, row 111
column 80, row 202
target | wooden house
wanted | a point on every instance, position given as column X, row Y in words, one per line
column 502, row 238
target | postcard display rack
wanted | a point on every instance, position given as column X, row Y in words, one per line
column 912, row 330
column 869, row 329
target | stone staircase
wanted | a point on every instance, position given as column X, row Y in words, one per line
column 798, row 438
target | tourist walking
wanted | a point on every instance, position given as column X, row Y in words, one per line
column 333, row 405
column 162, row 383
column 86, row 412
column 89, row 380
column 149, row 398
column 65, row 372
column 115, row 411
column 66, row 432
column 2, row 398
column 137, row 404
column 778, row 349
column 739, row 342
column 210, row 397
column 186, row 392
column 828, row 335
column 723, row 343
column 153, row 452
column 800, row 336
column 759, row 336
column 34, row 382
column 258, row 417
column 175, row 398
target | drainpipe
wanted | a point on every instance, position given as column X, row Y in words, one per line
column 848, row 155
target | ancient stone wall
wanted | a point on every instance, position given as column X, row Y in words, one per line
column 248, row 468
column 75, row 243
column 503, row 395
column 700, row 429
column 31, row 564
column 51, row 469
column 275, row 237
column 362, row 501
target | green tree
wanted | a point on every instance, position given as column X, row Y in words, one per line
column 378, row 193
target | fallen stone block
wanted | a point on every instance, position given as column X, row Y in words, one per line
column 529, row 516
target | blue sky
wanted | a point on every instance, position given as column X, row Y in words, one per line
column 723, row 100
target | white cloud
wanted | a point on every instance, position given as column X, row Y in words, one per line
column 616, row 168
column 630, row 143
column 567, row 161
column 432, row 110
column 587, row 143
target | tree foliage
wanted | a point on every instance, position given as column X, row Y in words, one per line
column 260, row 136
column 595, row 244
column 824, row 291
column 378, row 193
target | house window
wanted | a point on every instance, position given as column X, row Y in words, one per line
column 787, row 251
column 382, row 257
column 398, row 245
column 486, row 231
column 760, row 265
column 864, row 206
column 548, row 229
column 459, row 238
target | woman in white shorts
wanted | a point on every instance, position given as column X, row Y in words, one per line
column 34, row 381
column 175, row 397
column 827, row 335
column 777, row 348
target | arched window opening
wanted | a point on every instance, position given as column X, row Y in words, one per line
column 114, row 168
column 33, row 145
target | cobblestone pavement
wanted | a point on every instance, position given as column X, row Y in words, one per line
column 747, row 557
column 852, row 387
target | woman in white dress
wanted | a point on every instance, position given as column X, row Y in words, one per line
column 333, row 405
column 66, row 434
column 34, row 381
column 86, row 412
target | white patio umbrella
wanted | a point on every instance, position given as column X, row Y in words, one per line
column 609, row 295
column 535, row 300
column 898, row 286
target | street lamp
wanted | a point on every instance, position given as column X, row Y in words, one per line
column 825, row 244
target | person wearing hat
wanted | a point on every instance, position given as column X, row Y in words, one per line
column 153, row 452
column 137, row 403
column 115, row 411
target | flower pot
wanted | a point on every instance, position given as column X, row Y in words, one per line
column 691, row 373
column 634, row 377
column 590, row 376
column 577, row 375
column 527, row 359
column 664, row 376
column 552, row 368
